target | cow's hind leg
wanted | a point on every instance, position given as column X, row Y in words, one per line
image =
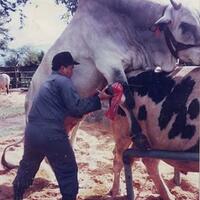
column 153, row 171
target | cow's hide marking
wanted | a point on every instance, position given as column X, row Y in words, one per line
column 156, row 85
column 173, row 96
column 175, row 102
column 142, row 113
column 180, row 127
column 193, row 109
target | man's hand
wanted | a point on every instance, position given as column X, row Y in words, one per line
column 103, row 96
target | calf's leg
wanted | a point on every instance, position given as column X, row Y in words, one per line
column 117, row 166
column 122, row 142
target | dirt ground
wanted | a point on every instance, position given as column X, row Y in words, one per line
column 93, row 149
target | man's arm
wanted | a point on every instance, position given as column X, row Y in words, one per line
column 76, row 105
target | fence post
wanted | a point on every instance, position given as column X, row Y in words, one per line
column 20, row 76
column 15, row 78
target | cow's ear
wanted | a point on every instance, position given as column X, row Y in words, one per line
column 166, row 19
column 160, row 24
column 163, row 21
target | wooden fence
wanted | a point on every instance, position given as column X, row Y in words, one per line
column 20, row 76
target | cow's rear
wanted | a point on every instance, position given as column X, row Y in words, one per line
column 167, row 109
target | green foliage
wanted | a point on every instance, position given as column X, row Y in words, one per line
column 29, row 56
column 70, row 4
column 12, row 61
column 4, row 36
column 25, row 56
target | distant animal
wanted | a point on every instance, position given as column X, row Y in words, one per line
column 4, row 82
column 167, row 107
column 115, row 37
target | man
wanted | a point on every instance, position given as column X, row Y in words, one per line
column 45, row 134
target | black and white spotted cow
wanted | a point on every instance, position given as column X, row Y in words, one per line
column 167, row 109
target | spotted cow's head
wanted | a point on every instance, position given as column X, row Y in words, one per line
column 184, row 24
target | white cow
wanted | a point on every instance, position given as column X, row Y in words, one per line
column 4, row 82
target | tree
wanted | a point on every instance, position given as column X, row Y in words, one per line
column 6, row 8
column 25, row 56
column 30, row 58
column 12, row 60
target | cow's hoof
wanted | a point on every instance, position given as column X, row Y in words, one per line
column 112, row 193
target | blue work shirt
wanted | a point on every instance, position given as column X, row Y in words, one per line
column 57, row 99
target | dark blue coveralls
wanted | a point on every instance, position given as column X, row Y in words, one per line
column 45, row 135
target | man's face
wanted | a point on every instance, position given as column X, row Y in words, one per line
column 67, row 71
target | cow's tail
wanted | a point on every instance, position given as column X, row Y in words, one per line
column 5, row 163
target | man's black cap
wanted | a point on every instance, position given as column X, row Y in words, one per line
column 63, row 58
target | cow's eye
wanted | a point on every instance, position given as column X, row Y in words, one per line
column 184, row 27
column 188, row 31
